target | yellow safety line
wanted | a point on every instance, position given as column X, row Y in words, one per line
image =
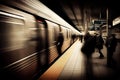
column 54, row 71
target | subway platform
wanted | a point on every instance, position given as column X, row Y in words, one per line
column 73, row 65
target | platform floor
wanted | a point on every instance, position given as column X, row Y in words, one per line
column 73, row 65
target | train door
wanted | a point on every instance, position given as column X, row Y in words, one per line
column 53, row 32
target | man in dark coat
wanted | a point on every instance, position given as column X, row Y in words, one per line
column 99, row 45
column 88, row 45
column 111, row 44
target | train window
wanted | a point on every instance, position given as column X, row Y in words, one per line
column 53, row 30
column 11, row 20
column 11, row 31
column 70, row 33
column 67, row 33
column 51, row 35
column 55, row 33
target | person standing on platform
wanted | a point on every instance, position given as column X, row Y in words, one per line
column 81, row 38
column 89, row 45
column 111, row 44
column 60, row 43
column 99, row 45
column 88, row 49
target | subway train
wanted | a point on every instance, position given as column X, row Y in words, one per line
column 29, row 33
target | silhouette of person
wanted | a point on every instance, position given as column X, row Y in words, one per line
column 99, row 45
column 111, row 44
column 87, row 49
column 81, row 37
column 60, row 43
column 73, row 37
column 88, row 45
column 86, row 36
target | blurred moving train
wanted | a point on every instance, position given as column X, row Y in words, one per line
column 28, row 38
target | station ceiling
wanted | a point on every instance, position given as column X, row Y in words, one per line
column 76, row 12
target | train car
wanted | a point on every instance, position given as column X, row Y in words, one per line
column 29, row 39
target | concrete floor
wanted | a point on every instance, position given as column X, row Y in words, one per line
column 73, row 65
